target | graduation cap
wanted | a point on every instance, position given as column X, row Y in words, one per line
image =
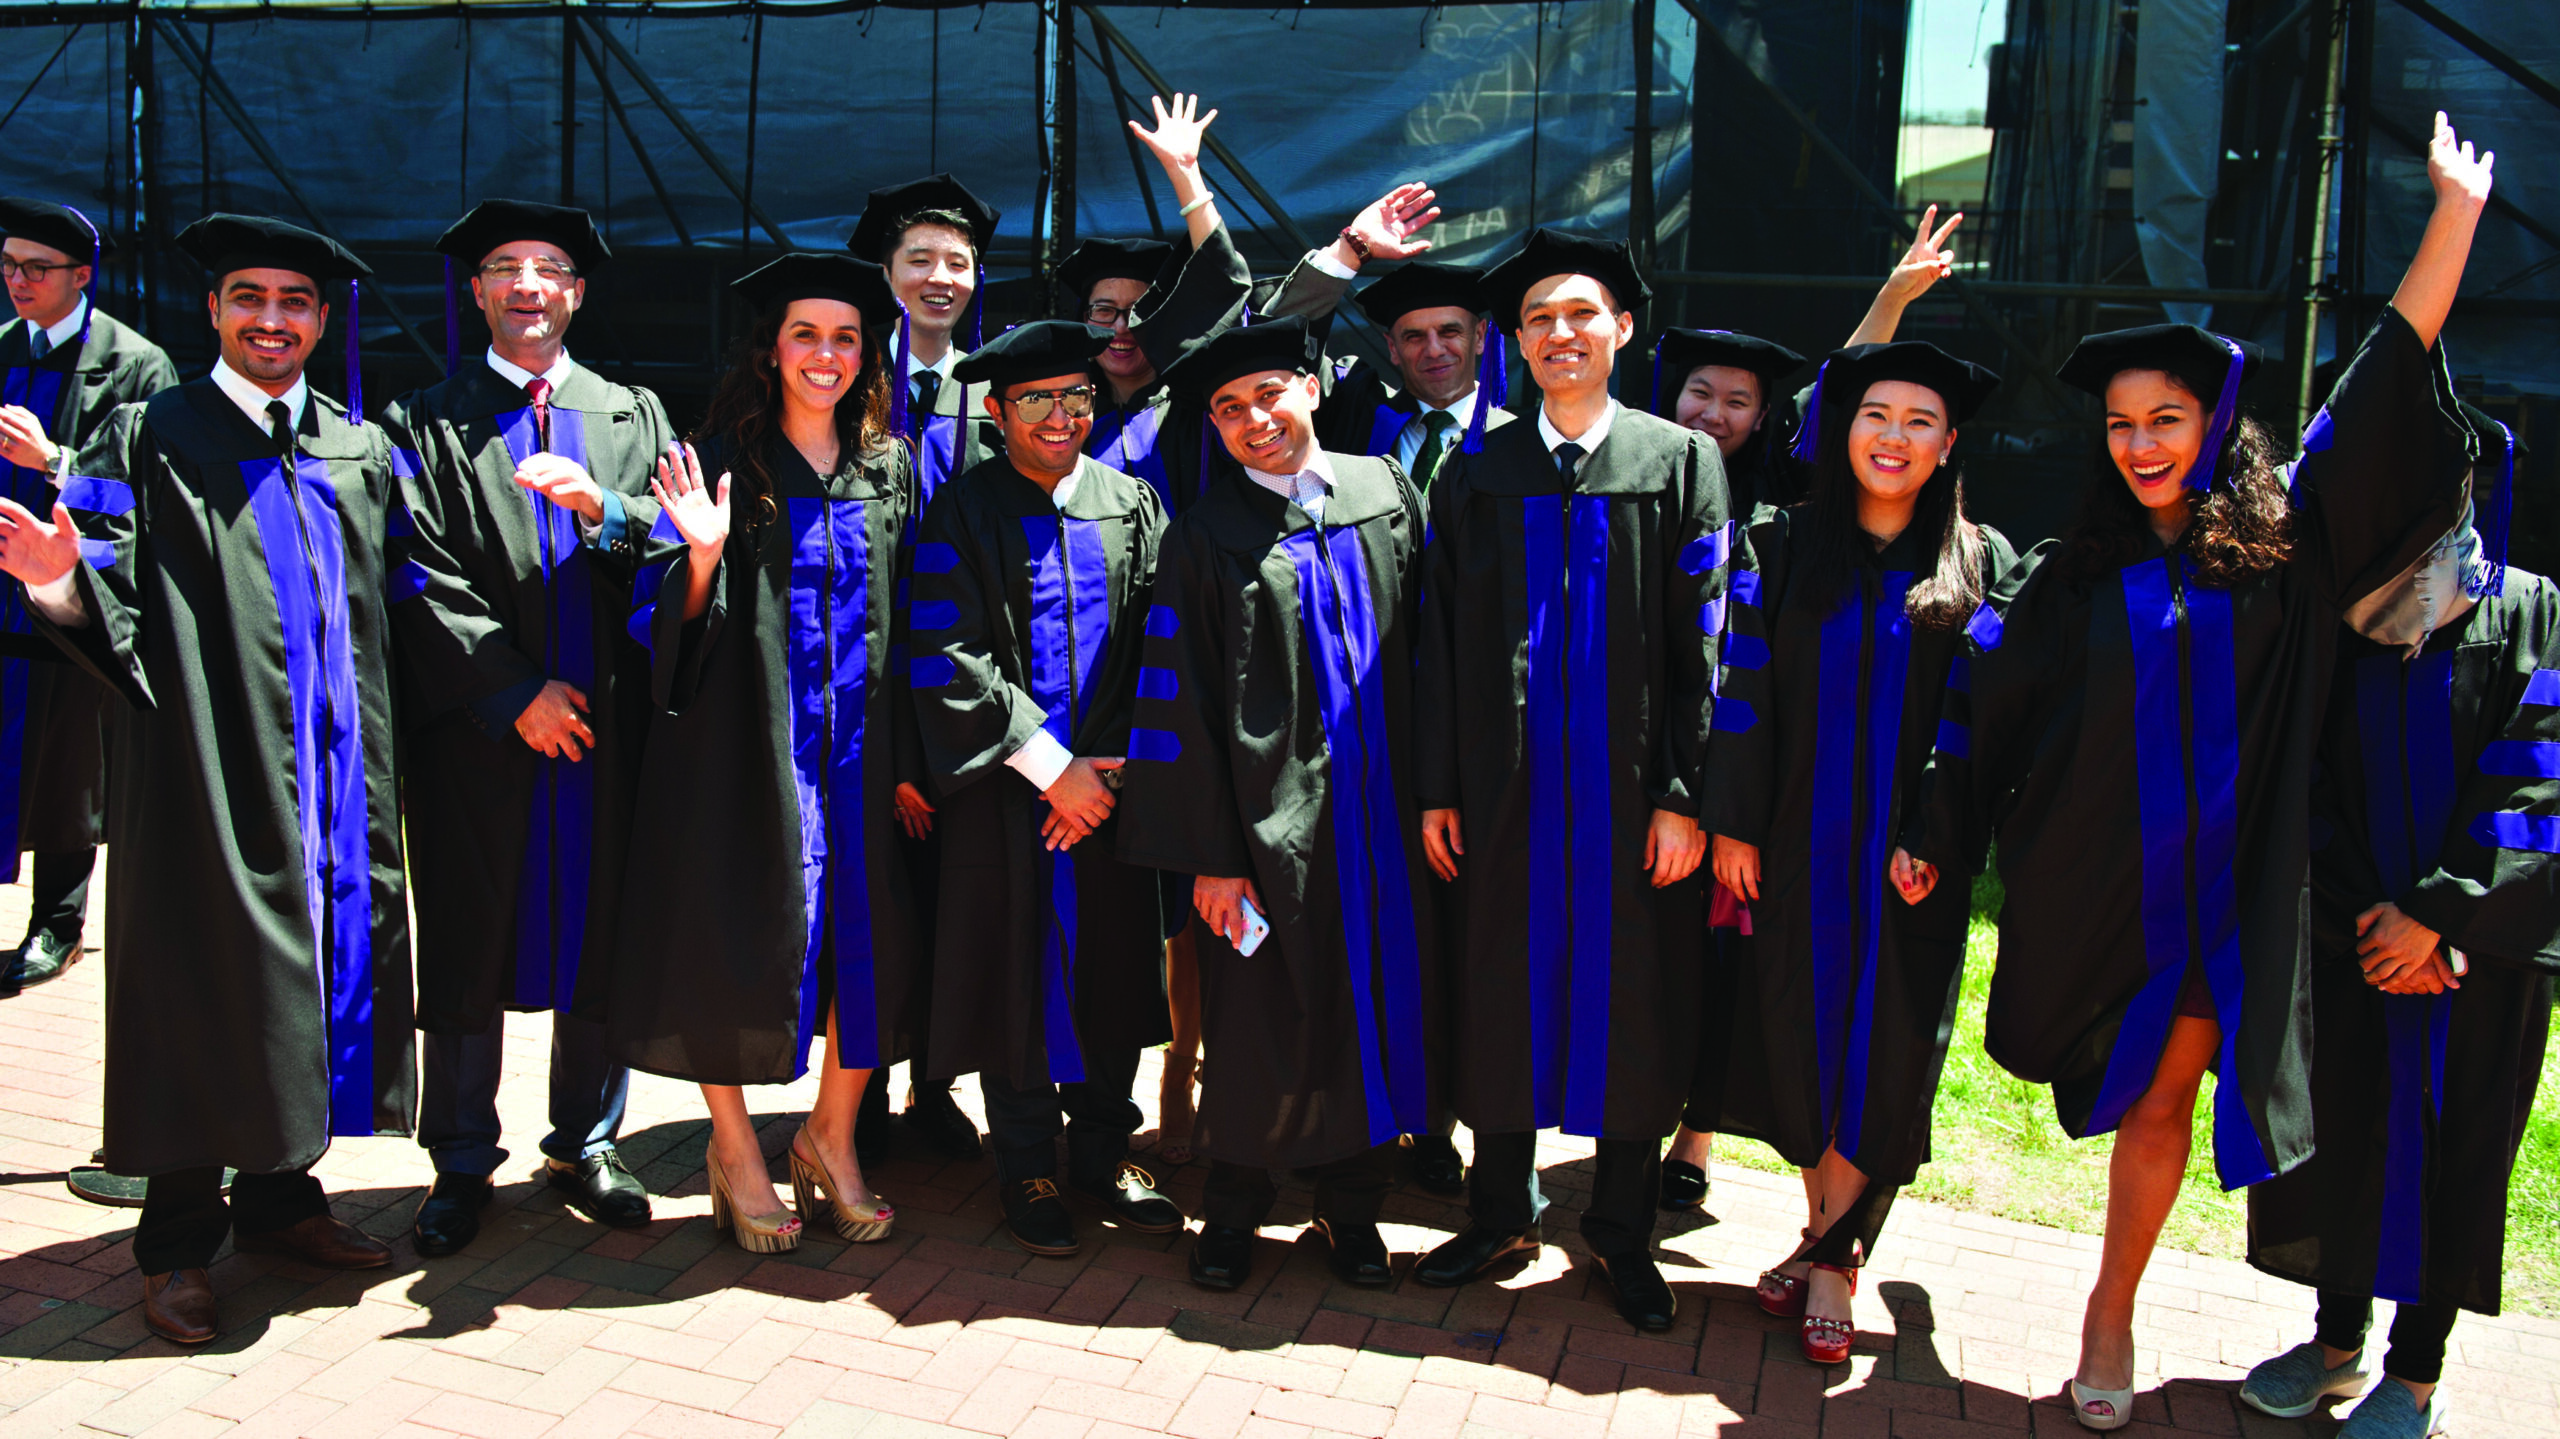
column 1287, row 343
column 61, row 228
column 223, row 243
column 808, row 275
column 2209, row 365
column 2492, row 521
column 887, row 212
column 1849, row 373
column 1683, row 351
column 1095, row 261
column 1034, row 351
column 1423, row 285
column 492, row 223
column 1548, row 253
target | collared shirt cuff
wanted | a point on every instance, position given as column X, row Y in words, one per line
column 605, row 533
column 1328, row 265
column 496, row 714
column 60, row 601
column 1040, row 760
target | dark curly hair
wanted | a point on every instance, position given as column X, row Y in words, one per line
column 746, row 415
column 1835, row 549
column 2238, row 532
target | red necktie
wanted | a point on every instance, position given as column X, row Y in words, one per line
column 540, row 389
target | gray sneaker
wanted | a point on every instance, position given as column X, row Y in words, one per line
column 2392, row 1412
column 2293, row 1383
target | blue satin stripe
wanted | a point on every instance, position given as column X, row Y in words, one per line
column 664, row 530
column 1832, row 886
column 302, row 533
column 408, row 582
column 2543, row 688
column 2160, row 782
column 1732, row 716
column 1745, row 652
column 41, row 392
column 406, row 463
column 1954, row 740
column 931, row 672
column 933, row 615
column 938, row 457
column 1888, row 678
column 2239, row 1155
column 848, row 634
column 1594, row 904
column 811, row 706
column 646, row 585
column 2521, row 759
column 1708, row 550
column 1711, row 617
column 2509, row 829
column 551, row 880
column 1162, row 745
column 1163, row 622
column 1384, row 426
column 932, row 557
column 101, row 554
column 1985, row 628
column 398, row 523
column 1543, row 549
column 1126, row 441
column 103, row 497
column 1065, row 575
column 1745, row 588
column 1158, row 683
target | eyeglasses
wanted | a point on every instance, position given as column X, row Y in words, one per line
column 550, row 272
column 1103, row 312
column 1035, row 406
column 32, row 271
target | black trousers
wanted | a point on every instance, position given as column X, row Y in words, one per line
column 1096, row 1112
column 184, row 1218
column 58, row 892
column 2418, row 1333
column 1348, row 1191
column 1503, row 1193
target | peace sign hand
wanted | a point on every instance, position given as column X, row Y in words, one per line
column 1928, row 261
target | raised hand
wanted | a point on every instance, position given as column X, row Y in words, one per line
column 698, row 514
column 1388, row 224
column 2458, row 175
column 1928, row 260
column 37, row 552
column 1176, row 137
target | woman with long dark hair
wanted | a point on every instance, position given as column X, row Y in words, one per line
column 771, row 900
column 1849, row 609
column 2139, row 734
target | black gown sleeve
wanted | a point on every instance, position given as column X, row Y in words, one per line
column 970, row 724
column 2495, row 891
column 1742, row 749
column 2383, row 464
column 1694, row 594
column 2001, row 689
column 1119, row 708
column 1207, row 293
column 108, row 492
column 1435, row 678
column 454, row 646
column 1178, row 811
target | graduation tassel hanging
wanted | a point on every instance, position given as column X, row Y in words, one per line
column 452, row 322
column 89, row 293
column 2217, row 438
column 1493, row 387
column 2489, row 578
column 355, row 356
column 1809, row 429
column 898, row 383
column 977, row 319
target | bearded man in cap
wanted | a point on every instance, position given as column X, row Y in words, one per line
column 527, row 475
column 257, row 926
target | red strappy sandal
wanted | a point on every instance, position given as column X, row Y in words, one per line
column 1783, row 1295
column 1826, row 1341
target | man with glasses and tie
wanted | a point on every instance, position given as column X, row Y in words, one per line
column 257, row 926
column 528, row 481
column 61, row 371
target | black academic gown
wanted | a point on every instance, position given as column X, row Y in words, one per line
column 518, row 855
column 1028, row 618
column 1147, row 435
column 2141, row 748
column 955, row 436
column 257, row 924
column 53, row 716
column 1845, row 995
column 2439, row 792
column 1278, row 665
column 1567, row 682
column 769, row 877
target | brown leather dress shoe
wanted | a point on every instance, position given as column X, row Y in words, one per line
column 178, row 1305
column 324, row 1240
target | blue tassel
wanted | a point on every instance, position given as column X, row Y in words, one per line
column 898, row 385
column 355, row 356
column 1493, row 387
column 2492, row 520
column 97, row 254
column 1809, row 428
column 2217, row 439
column 977, row 321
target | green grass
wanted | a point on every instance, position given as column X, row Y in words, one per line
column 1997, row 1149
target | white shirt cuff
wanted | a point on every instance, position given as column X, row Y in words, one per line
column 1040, row 760
column 1328, row 265
column 60, row 600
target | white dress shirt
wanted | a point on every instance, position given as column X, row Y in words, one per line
column 1462, row 410
column 1307, row 487
column 1589, row 439
column 1041, row 759
column 62, row 331
column 518, row 376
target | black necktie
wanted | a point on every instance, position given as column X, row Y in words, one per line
column 39, row 344
column 928, row 389
column 1568, row 455
column 1435, row 442
column 280, row 425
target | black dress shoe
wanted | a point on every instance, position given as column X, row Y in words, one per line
column 41, row 958
column 1037, row 1218
column 1644, row 1299
column 1359, row 1253
column 1436, row 1166
column 936, row 1122
column 1684, row 1186
column 449, row 1217
column 1134, row 1201
column 1472, row 1251
column 601, row 1189
column 1222, row 1257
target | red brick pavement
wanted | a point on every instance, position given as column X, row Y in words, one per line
column 550, row 1325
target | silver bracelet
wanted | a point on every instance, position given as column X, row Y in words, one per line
column 1204, row 199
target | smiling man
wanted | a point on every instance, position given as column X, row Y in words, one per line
column 528, row 477
column 1031, row 586
column 63, row 367
column 1269, row 760
column 931, row 235
column 257, row 929
column 1575, row 592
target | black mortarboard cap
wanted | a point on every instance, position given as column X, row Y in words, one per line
column 1555, row 252
column 888, row 208
column 224, row 243
column 808, row 275
column 1685, row 350
column 1847, row 374
column 1033, row 352
column 1283, row 344
column 1095, row 261
column 2211, row 366
column 1423, row 285
column 492, row 223
column 58, row 226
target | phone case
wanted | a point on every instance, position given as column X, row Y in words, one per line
column 1256, row 929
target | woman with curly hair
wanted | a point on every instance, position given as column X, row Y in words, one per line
column 2138, row 734
column 771, row 899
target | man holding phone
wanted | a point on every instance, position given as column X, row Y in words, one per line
column 1268, row 758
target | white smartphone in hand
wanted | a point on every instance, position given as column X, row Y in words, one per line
column 1256, row 928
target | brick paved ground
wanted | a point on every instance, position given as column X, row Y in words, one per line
column 551, row 1325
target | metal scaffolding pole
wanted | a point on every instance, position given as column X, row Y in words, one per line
column 685, row 128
